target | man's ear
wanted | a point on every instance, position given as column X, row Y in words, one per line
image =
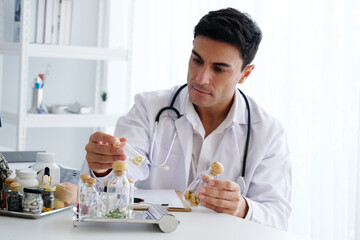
column 245, row 73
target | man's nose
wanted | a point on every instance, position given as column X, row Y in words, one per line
column 204, row 76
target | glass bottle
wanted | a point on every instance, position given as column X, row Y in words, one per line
column 5, row 192
column 48, row 197
column 91, row 198
column 105, row 199
column 120, row 186
column 131, row 196
column 81, row 196
column 33, row 202
column 191, row 193
column 14, row 198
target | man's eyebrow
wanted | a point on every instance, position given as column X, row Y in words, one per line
column 196, row 54
column 218, row 64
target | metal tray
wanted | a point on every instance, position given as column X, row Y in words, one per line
column 30, row 215
column 156, row 214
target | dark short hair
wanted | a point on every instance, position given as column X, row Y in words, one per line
column 233, row 27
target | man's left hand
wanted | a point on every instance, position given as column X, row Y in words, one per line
column 223, row 196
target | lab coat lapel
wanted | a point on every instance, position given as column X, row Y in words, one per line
column 185, row 133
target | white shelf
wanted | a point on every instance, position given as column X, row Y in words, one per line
column 63, row 120
column 69, row 52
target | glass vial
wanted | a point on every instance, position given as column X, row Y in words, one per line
column 5, row 192
column 91, row 199
column 81, row 193
column 48, row 197
column 33, row 202
column 191, row 193
column 131, row 196
column 120, row 186
column 14, row 198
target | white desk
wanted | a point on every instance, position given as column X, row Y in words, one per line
column 199, row 224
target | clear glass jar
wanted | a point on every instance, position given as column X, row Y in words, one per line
column 106, row 201
column 121, row 187
column 131, row 196
column 5, row 192
column 33, row 202
column 191, row 193
column 92, row 199
column 14, row 198
column 48, row 197
column 81, row 193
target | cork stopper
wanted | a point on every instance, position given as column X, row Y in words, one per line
column 216, row 168
column 84, row 177
column 8, row 181
column 117, row 143
column 106, row 183
column 130, row 180
column 91, row 181
column 14, row 186
column 120, row 166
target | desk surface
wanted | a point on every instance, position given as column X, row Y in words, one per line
column 199, row 224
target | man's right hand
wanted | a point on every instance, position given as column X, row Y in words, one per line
column 100, row 152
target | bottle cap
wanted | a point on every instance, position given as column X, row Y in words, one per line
column 15, row 185
column 33, row 190
column 45, row 157
column 120, row 166
column 217, row 167
column 84, row 176
column 27, row 174
column 8, row 181
column 48, row 188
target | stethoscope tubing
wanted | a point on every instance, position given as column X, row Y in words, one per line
column 172, row 108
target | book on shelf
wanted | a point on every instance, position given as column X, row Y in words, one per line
column 40, row 23
column 17, row 16
column 33, row 20
column 49, row 11
column 50, row 21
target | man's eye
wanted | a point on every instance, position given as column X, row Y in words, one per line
column 197, row 60
column 219, row 69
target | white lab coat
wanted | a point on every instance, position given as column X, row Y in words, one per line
column 268, row 169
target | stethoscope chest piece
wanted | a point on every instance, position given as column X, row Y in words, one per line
column 241, row 182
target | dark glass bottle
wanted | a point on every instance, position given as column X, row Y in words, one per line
column 14, row 198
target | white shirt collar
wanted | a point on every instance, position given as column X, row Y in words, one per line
column 195, row 121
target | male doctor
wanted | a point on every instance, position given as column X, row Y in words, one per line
column 212, row 127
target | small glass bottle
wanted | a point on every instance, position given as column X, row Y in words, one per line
column 33, row 202
column 131, row 196
column 191, row 193
column 91, row 198
column 81, row 196
column 14, row 198
column 48, row 197
column 103, row 202
column 5, row 192
column 120, row 185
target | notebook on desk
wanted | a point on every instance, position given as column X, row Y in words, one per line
column 172, row 200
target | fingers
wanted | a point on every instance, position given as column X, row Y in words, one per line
column 101, row 137
column 217, row 209
column 101, row 148
column 220, row 193
column 221, row 184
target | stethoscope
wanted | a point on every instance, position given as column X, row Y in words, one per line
column 241, row 179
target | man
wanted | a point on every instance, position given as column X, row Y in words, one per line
column 212, row 126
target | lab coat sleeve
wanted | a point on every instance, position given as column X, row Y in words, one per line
column 269, row 192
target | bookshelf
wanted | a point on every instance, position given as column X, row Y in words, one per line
column 27, row 52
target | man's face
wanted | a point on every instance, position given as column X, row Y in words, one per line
column 214, row 71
